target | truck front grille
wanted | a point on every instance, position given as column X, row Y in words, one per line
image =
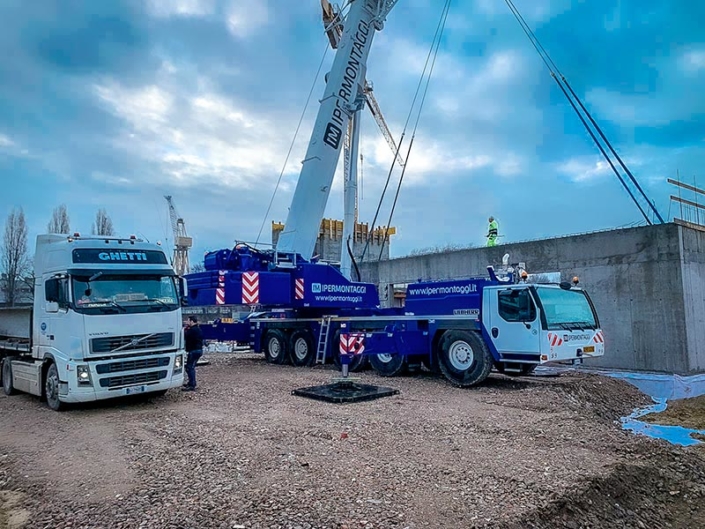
column 132, row 365
column 130, row 380
column 132, row 342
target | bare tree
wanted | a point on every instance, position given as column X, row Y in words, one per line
column 103, row 225
column 197, row 267
column 59, row 222
column 14, row 258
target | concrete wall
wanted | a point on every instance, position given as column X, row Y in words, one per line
column 647, row 283
column 693, row 269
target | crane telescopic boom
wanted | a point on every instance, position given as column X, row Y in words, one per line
column 345, row 82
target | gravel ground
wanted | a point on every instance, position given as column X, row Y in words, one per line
column 243, row 452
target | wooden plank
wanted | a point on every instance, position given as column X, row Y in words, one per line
column 686, row 186
column 688, row 202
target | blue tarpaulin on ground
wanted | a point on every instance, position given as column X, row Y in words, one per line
column 661, row 388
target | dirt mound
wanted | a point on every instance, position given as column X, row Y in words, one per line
column 689, row 413
column 589, row 395
column 665, row 491
column 605, row 397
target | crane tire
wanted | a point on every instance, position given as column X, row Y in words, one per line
column 464, row 358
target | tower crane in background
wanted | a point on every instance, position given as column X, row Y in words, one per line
column 182, row 242
column 333, row 22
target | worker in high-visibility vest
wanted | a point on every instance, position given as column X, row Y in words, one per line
column 492, row 232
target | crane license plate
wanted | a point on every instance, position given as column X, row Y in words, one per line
column 589, row 349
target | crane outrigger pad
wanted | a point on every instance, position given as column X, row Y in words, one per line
column 345, row 391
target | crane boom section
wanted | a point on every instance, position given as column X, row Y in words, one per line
column 345, row 82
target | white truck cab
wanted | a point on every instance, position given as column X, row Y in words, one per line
column 106, row 322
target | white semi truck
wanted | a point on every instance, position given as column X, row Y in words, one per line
column 105, row 322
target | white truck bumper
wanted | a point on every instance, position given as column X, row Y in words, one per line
column 113, row 378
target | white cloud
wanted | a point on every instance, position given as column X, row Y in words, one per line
column 183, row 8
column 583, row 169
column 246, row 18
column 195, row 139
column 146, row 107
column 693, row 61
column 5, row 141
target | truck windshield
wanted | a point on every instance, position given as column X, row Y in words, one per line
column 566, row 309
column 109, row 292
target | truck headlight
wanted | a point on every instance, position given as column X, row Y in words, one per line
column 178, row 364
column 83, row 374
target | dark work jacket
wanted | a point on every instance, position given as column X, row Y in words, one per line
column 193, row 337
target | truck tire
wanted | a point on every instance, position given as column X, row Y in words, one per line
column 389, row 365
column 463, row 358
column 51, row 388
column 358, row 362
column 7, row 377
column 276, row 348
column 301, row 348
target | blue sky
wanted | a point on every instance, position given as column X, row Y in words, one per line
column 115, row 104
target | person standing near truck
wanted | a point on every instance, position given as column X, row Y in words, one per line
column 492, row 232
column 193, row 338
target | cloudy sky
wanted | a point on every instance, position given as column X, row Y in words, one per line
column 115, row 104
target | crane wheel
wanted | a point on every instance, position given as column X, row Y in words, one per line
column 276, row 347
column 389, row 365
column 463, row 358
column 301, row 348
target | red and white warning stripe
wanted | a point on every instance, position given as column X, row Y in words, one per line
column 250, row 287
column 299, row 290
column 220, row 291
column 554, row 339
column 352, row 343
column 598, row 338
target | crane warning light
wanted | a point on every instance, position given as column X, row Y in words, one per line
column 575, row 280
column 76, row 234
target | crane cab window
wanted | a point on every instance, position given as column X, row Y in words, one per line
column 516, row 305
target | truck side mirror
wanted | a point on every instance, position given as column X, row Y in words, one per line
column 183, row 291
column 51, row 290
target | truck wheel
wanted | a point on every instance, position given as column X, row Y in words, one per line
column 276, row 350
column 7, row 377
column 51, row 388
column 302, row 350
column 464, row 358
column 358, row 362
column 389, row 365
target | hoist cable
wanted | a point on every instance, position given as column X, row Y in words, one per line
column 401, row 140
column 555, row 73
column 587, row 113
column 308, row 99
column 444, row 18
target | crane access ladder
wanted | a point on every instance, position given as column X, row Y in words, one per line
column 323, row 340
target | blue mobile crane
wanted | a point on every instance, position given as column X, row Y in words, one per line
column 312, row 313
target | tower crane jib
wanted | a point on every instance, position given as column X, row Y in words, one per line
column 182, row 242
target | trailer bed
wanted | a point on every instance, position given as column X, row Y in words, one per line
column 15, row 345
